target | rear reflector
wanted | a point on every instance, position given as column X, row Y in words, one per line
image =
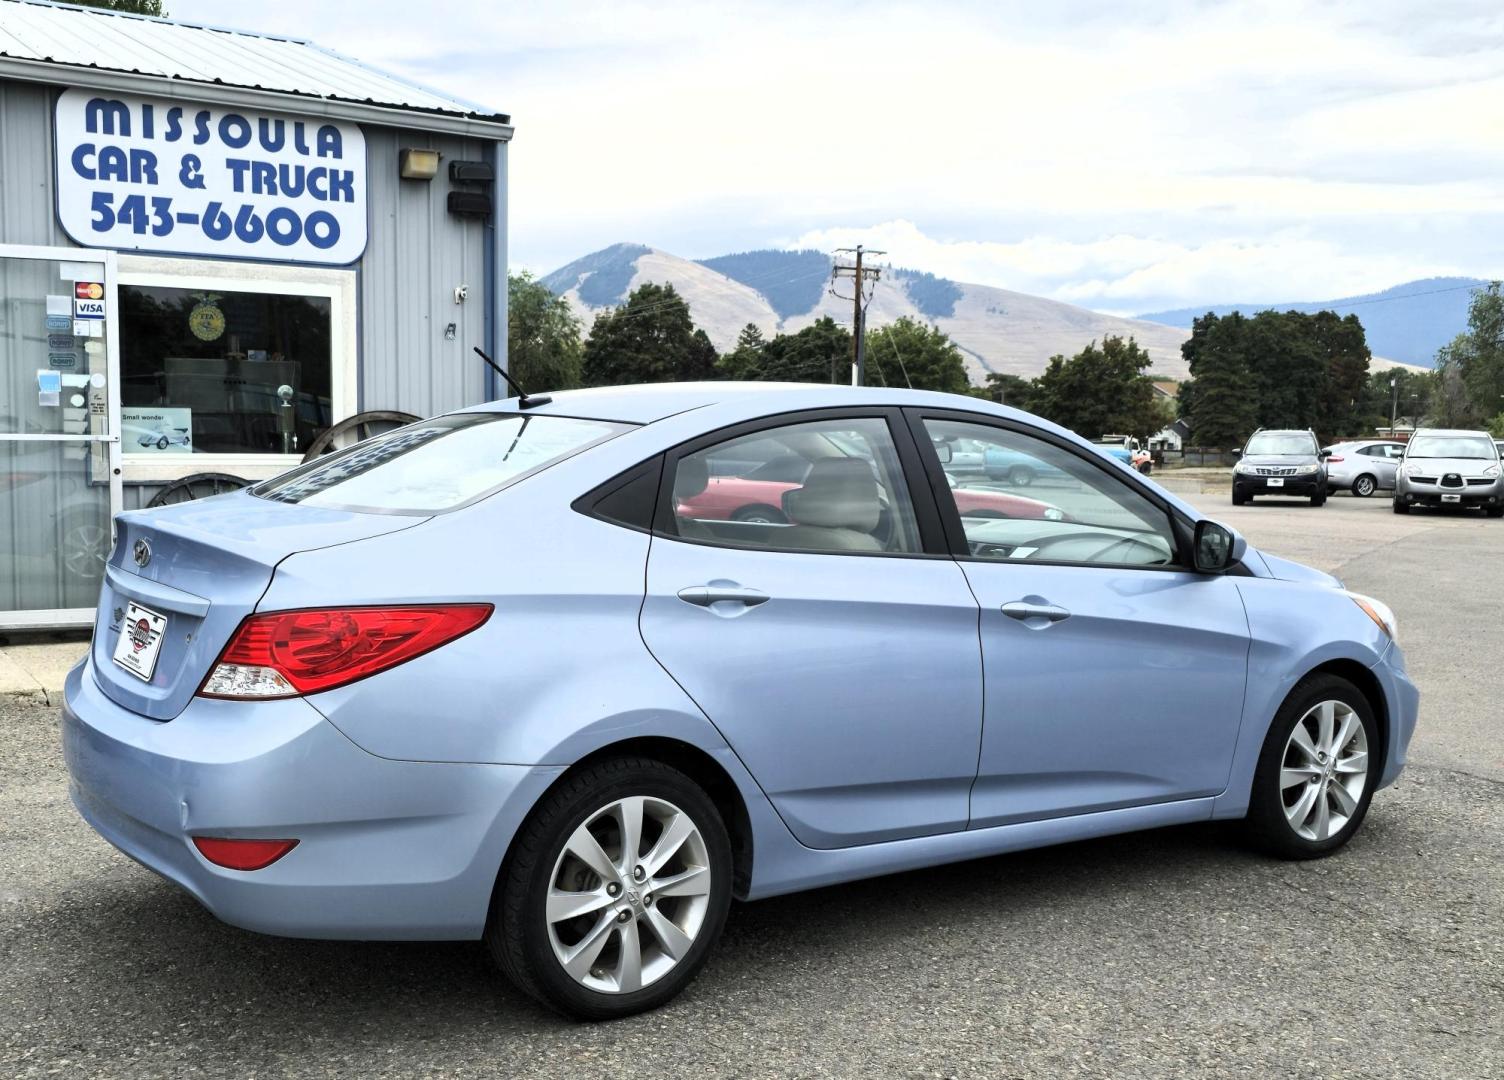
column 290, row 653
column 242, row 854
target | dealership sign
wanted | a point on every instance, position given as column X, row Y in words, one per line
column 150, row 175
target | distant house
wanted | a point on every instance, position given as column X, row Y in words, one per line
column 1174, row 436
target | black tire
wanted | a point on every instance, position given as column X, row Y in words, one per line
column 1401, row 506
column 1266, row 824
column 1020, row 476
column 517, row 931
column 162, row 443
column 1494, row 511
column 759, row 513
column 1239, row 500
column 1318, row 500
column 1364, row 486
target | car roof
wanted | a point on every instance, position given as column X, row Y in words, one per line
column 651, row 402
column 1452, row 433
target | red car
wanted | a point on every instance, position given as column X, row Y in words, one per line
column 739, row 498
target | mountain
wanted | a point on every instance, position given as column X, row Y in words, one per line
column 785, row 291
column 1407, row 323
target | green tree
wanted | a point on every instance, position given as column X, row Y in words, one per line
column 650, row 338
column 1410, row 396
column 820, row 353
column 1101, row 390
column 1473, row 363
column 544, row 351
column 909, row 353
column 1006, row 389
column 135, row 7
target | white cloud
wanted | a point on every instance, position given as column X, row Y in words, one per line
column 1089, row 146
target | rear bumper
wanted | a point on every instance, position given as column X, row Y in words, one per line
column 387, row 849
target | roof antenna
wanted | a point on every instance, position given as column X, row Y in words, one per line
column 524, row 401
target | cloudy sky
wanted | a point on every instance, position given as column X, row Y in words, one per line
column 1127, row 157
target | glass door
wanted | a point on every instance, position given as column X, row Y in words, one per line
column 59, row 454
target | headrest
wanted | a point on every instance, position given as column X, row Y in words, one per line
column 691, row 476
column 838, row 493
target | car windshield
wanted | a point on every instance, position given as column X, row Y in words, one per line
column 1452, row 446
column 437, row 464
column 1287, row 443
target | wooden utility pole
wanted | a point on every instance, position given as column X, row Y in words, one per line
column 860, row 296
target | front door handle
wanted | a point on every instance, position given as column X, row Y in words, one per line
column 1027, row 611
column 705, row 595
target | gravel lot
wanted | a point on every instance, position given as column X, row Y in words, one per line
column 1171, row 953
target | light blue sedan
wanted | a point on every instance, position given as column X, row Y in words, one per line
column 488, row 677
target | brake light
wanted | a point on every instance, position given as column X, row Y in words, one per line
column 291, row 653
column 1334, row 458
column 242, row 854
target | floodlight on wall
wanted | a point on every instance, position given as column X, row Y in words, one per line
column 469, row 204
column 419, row 164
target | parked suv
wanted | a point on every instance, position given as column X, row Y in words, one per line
column 1280, row 463
column 1444, row 467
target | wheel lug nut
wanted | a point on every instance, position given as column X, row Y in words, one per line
column 638, row 873
column 624, row 916
column 647, row 900
column 612, row 889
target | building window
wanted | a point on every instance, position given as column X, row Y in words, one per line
column 214, row 370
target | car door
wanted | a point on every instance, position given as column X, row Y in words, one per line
column 1114, row 676
column 836, row 655
column 1386, row 463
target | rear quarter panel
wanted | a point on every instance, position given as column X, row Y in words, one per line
column 1295, row 628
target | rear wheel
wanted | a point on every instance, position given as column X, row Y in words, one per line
column 615, row 890
column 1317, row 770
column 1364, row 486
column 759, row 515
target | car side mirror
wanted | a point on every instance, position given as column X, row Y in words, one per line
column 1216, row 548
column 1237, row 453
column 942, row 451
column 1324, row 453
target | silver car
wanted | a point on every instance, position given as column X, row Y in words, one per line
column 1444, row 467
column 1363, row 466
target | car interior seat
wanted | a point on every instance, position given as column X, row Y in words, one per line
column 836, row 509
column 691, row 478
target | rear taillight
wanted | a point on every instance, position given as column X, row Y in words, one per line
column 242, row 854
column 290, row 653
column 1334, row 459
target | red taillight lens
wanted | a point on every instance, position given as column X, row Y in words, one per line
column 242, row 854
column 289, row 653
column 1334, row 458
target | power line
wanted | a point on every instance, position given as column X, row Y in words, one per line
column 860, row 298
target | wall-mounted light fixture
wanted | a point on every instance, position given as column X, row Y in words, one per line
column 471, row 172
column 469, row 203
column 419, row 164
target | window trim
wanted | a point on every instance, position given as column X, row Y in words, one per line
column 338, row 285
column 932, row 536
column 1181, row 528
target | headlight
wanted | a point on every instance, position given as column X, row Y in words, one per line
column 1491, row 471
column 1378, row 611
column 1306, row 470
column 1242, row 469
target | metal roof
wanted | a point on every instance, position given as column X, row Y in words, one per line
column 124, row 52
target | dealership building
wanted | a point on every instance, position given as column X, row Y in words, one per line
column 219, row 250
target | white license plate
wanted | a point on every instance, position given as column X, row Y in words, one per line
column 140, row 641
column 1276, row 481
column 1451, row 498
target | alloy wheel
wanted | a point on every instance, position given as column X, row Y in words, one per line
column 1363, row 486
column 85, row 549
column 628, row 895
column 1324, row 770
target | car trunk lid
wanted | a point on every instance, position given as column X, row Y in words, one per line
column 202, row 567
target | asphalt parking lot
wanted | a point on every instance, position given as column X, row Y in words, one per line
column 1171, row 953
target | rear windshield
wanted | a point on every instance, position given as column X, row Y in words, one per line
column 1451, row 446
column 437, row 464
column 1289, row 443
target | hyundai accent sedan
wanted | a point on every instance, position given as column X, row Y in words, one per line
column 482, row 677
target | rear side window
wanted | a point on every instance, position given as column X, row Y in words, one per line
column 439, row 464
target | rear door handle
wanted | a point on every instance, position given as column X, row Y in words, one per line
column 705, row 595
column 1025, row 611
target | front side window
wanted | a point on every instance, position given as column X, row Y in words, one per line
column 223, row 371
column 437, row 464
column 1281, row 443
column 828, row 485
column 1452, row 446
column 1038, row 502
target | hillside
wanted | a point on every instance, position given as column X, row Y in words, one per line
column 1407, row 323
column 784, row 291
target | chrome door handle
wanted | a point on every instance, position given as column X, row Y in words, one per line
column 1023, row 611
column 705, row 595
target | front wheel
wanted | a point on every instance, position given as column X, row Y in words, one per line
column 1020, row 476
column 1317, row 770
column 1494, row 511
column 1401, row 506
column 614, row 892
